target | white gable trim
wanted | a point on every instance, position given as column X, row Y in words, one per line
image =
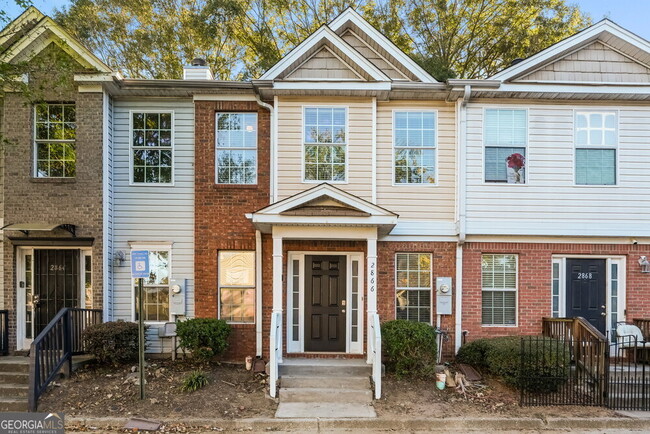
column 47, row 24
column 570, row 44
column 30, row 14
column 353, row 16
column 330, row 191
column 324, row 33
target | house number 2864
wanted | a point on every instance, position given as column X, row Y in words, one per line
column 582, row 276
column 57, row 267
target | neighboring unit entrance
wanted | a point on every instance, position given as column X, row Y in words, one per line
column 586, row 291
column 325, row 292
column 56, row 284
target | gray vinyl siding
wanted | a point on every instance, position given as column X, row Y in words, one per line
column 154, row 213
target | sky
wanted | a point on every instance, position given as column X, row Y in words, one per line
column 631, row 14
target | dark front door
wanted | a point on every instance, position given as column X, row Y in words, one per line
column 586, row 290
column 56, row 284
column 325, row 303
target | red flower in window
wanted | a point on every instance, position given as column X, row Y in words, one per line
column 516, row 161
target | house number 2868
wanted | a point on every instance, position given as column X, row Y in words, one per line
column 582, row 276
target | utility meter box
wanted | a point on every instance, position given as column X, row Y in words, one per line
column 443, row 295
column 177, row 289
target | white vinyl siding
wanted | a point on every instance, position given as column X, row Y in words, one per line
column 153, row 216
column 499, row 283
column 414, row 143
column 505, row 138
column 551, row 195
column 596, row 142
column 413, row 286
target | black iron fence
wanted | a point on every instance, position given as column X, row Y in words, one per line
column 567, row 370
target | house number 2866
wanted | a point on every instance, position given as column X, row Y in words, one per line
column 582, row 276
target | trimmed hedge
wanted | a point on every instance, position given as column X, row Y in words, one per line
column 410, row 348
column 204, row 337
column 112, row 343
column 543, row 366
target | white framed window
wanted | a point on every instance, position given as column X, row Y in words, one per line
column 505, row 141
column 413, row 286
column 325, row 143
column 499, row 295
column 414, row 144
column 236, row 151
column 55, row 133
column 596, row 142
column 155, row 288
column 152, row 147
column 237, row 286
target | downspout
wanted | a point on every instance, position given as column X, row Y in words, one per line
column 272, row 150
column 461, row 182
column 258, row 293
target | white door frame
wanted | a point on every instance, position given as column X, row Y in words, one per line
column 22, row 343
column 298, row 346
column 620, row 260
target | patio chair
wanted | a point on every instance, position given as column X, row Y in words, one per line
column 630, row 338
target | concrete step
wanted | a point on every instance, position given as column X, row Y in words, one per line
column 314, row 394
column 13, row 390
column 324, row 410
column 14, row 364
column 13, row 404
column 14, row 377
column 325, row 367
column 352, row 383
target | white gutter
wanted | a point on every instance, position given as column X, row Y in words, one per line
column 258, row 293
column 461, row 180
column 272, row 163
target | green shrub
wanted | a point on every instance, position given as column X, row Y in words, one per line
column 194, row 381
column 204, row 337
column 542, row 365
column 112, row 342
column 410, row 348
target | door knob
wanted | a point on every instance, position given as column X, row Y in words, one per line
column 342, row 310
column 603, row 314
column 36, row 300
column 602, row 307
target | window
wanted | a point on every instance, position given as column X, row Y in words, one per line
column 156, row 287
column 88, row 280
column 505, row 145
column 237, row 286
column 325, row 143
column 152, row 148
column 55, row 134
column 236, row 148
column 499, row 280
column 415, row 147
column 596, row 140
column 413, row 286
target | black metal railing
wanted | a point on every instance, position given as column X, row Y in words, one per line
column 52, row 350
column 4, row 332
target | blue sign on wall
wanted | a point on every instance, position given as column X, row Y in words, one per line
column 140, row 264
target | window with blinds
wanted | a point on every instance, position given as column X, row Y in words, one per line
column 505, row 141
column 596, row 142
column 499, row 282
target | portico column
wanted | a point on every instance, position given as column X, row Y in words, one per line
column 372, row 292
column 277, row 285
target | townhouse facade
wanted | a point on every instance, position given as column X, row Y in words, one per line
column 343, row 186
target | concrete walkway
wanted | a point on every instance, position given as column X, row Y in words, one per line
column 460, row 424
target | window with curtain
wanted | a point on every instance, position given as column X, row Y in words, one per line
column 237, row 286
column 505, row 140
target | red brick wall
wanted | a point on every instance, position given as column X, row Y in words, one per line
column 220, row 222
column 534, row 292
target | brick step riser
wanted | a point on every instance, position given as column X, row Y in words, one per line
column 352, row 383
column 333, row 395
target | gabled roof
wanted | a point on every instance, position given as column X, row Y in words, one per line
column 605, row 31
column 324, row 205
column 324, row 36
column 351, row 17
column 40, row 36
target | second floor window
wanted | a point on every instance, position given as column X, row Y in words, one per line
column 596, row 140
column 152, row 148
column 505, row 140
column 236, row 148
column 415, row 147
column 325, row 142
column 55, row 134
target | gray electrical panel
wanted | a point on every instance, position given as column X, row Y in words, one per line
column 443, row 295
column 177, row 290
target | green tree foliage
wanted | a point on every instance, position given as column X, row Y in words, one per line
column 241, row 39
